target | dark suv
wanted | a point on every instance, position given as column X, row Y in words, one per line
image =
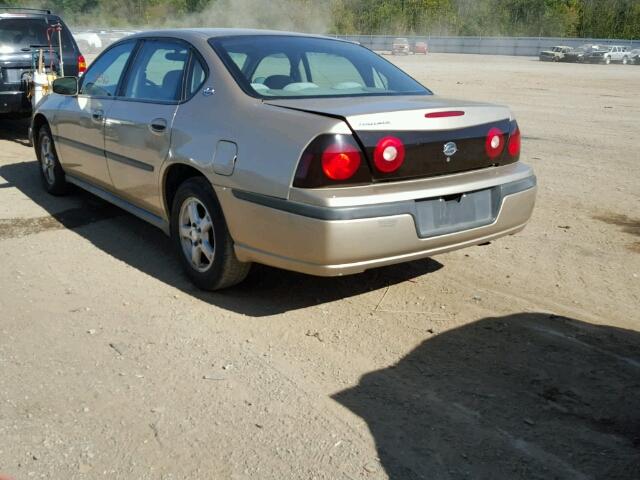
column 24, row 31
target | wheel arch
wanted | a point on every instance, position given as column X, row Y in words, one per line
column 173, row 176
column 39, row 120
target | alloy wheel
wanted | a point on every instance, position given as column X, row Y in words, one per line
column 47, row 160
column 197, row 234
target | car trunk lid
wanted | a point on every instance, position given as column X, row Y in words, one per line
column 427, row 126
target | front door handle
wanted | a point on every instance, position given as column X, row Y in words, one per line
column 97, row 115
column 158, row 125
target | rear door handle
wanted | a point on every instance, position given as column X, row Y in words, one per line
column 158, row 125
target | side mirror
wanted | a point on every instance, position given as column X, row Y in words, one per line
column 66, row 86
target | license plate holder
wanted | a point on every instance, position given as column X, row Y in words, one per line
column 455, row 213
column 12, row 75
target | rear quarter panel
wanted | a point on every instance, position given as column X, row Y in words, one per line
column 269, row 139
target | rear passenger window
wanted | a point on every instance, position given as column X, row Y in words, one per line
column 157, row 72
column 198, row 76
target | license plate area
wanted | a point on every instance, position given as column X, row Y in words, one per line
column 455, row 213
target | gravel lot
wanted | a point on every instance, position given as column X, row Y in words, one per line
column 520, row 359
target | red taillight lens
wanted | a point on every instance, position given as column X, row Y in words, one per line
column 340, row 162
column 389, row 154
column 82, row 65
column 514, row 143
column 332, row 160
column 494, row 145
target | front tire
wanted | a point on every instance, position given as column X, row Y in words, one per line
column 51, row 171
column 607, row 61
column 201, row 237
column 625, row 60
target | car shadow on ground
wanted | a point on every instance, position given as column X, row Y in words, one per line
column 267, row 291
column 527, row 396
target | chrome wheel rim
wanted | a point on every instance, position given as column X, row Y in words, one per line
column 47, row 160
column 196, row 234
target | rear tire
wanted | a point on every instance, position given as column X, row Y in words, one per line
column 52, row 174
column 201, row 237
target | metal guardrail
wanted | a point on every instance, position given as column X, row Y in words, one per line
column 523, row 46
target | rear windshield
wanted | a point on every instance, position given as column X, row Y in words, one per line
column 280, row 66
column 20, row 33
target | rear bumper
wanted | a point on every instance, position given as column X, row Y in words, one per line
column 14, row 102
column 332, row 241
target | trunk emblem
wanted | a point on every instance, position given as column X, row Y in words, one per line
column 450, row 149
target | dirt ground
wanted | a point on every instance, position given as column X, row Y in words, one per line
column 517, row 360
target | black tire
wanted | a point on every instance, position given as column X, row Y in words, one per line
column 51, row 172
column 224, row 270
column 625, row 60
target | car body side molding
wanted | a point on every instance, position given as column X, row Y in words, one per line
column 99, row 151
column 129, row 161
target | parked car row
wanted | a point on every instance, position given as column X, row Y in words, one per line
column 401, row 46
column 590, row 53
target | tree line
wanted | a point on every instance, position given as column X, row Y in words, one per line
column 557, row 18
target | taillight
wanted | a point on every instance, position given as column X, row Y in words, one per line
column 494, row 145
column 332, row 160
column 82, row 65
column 340, row 161
column 389, row 154
column 514, row 143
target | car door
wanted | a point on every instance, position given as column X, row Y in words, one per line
column 138, row 126
column 80, row 119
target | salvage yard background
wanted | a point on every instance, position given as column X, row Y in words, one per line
column 520, row 359
column 525, row 46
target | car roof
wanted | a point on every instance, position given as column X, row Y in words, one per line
column 206, row 33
